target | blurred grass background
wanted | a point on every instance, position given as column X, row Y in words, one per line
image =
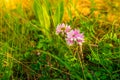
column 30, row 50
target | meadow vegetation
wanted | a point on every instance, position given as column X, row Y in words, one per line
column 30, row 49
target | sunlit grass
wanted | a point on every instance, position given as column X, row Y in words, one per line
column 30, row 48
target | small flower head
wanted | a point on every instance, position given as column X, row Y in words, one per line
column 75, row 36
column 62, row 28
column 72, row 36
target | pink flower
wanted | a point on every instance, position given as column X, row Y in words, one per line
column 69, row 41
column 68, row 28
column 72, row 36
column 62, row 28
column 75, row 36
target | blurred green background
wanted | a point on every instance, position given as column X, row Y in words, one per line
column 30, row 49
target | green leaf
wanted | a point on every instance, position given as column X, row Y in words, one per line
column 39, row 45
column 98, row 74
column 42, row 14
column 59, row 13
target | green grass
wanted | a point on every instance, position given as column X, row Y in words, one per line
column 30, row 49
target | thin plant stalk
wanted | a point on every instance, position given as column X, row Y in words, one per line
column 80, row 57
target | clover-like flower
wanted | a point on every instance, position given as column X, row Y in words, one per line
column 63, row 29
column 75, row 36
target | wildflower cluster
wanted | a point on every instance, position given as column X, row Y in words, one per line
column 71, row 36
column 63, row 29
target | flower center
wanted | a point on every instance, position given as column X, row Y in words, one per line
column 63, row 29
